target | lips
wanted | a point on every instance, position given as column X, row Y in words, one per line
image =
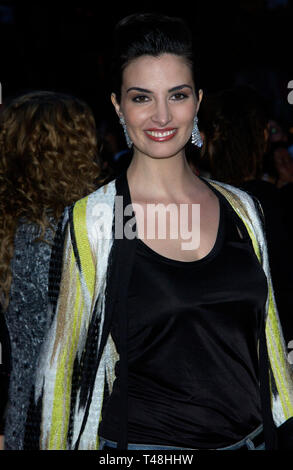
column 161, row 135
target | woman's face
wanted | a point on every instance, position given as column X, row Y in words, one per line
column 158, row 103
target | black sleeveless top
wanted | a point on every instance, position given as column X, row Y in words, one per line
column 193, row 329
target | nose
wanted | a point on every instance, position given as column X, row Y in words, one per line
column 162, row 114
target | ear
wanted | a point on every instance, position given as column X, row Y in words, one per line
column 200, row 95
column 115, row 104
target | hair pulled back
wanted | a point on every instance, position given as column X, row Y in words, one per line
column 150, row 34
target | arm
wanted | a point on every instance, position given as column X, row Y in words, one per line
column 61, row 352
column 280, row 381
column 77, row 357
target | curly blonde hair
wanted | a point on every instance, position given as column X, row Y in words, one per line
column 48, row 160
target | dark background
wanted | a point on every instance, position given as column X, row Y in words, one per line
column 67, row 48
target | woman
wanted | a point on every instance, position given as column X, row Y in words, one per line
column 48, row 151
column 153, row 342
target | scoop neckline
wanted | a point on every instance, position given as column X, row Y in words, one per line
column 208, row 257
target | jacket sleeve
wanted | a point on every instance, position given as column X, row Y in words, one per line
column 71, row 296
column 281, row 371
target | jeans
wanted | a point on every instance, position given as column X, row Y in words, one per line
column 247, row 443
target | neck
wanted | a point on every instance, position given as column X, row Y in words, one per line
column 160, row 179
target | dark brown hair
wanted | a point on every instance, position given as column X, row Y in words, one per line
column 150, row 34
column 233, row 122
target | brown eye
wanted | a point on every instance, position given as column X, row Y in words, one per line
column 179, row 97
column 140, row 99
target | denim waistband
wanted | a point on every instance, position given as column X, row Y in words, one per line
column 246, row 443
column 249, row 441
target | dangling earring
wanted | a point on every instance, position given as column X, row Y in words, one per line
column 128, row 139
column 195, row 135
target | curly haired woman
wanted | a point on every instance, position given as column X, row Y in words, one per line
column 48, row 150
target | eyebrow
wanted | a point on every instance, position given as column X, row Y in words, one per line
column 175, row 88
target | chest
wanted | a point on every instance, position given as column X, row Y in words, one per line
column 183, row 232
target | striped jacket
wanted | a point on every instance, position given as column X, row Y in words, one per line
column 76, row 367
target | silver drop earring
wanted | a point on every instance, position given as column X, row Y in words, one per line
column 128, row 139
column 195, row 135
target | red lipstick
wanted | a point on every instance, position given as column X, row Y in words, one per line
column 161, row 135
